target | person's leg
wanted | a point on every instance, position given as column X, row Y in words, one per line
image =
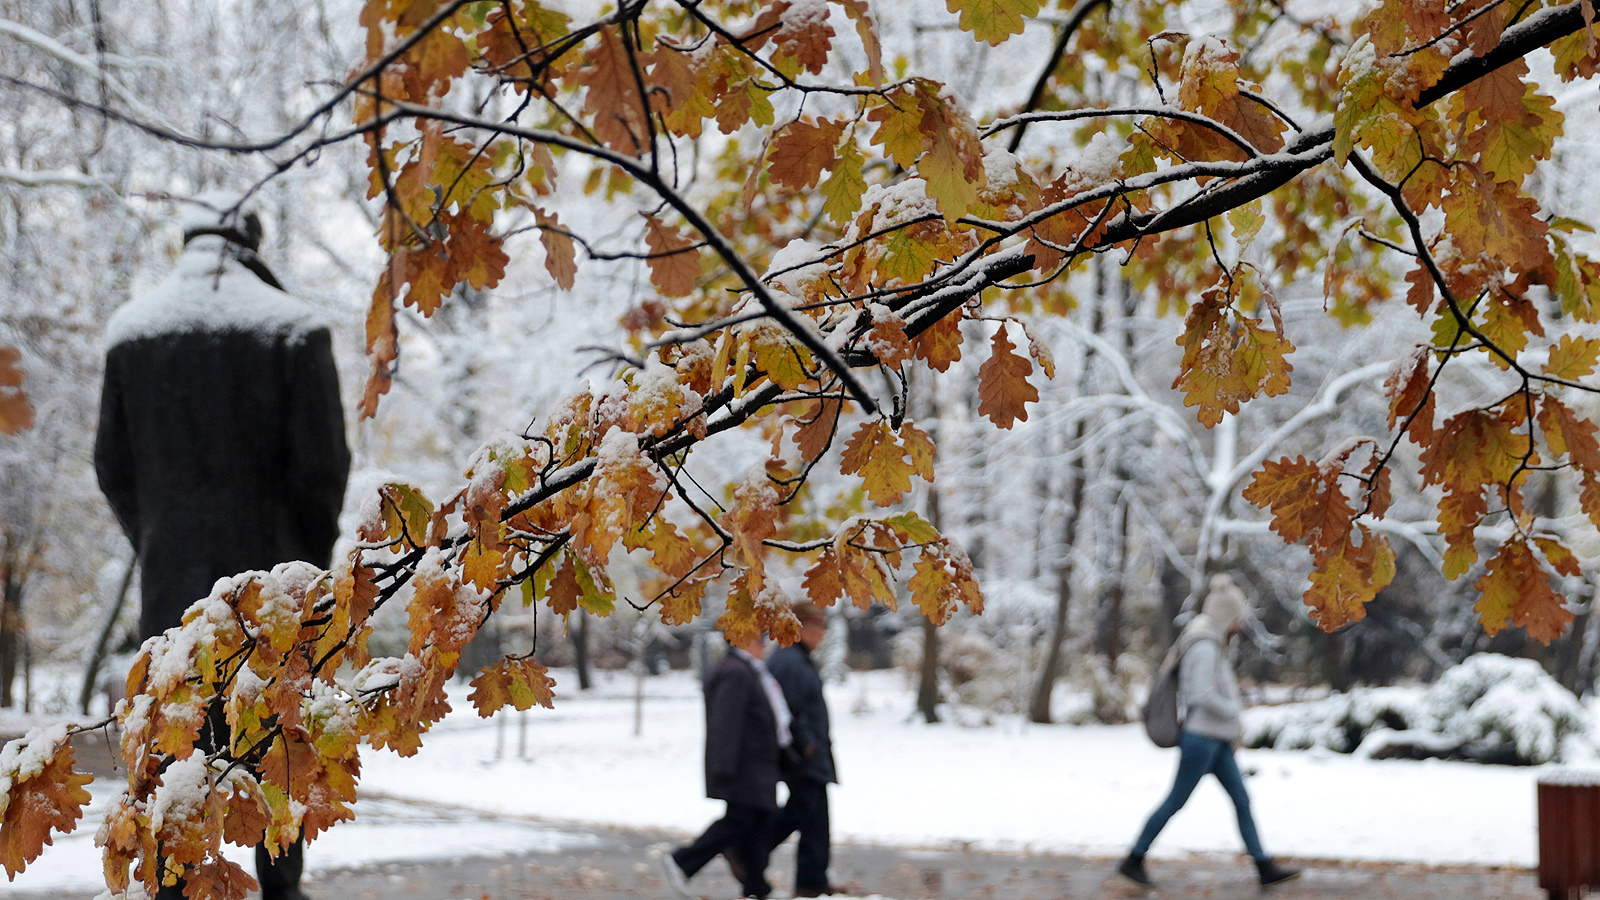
column 1226, row 768
column 1195, row 758
column 280, row 878
column 811, row 855
column 693, row 857
column 786, row 821
column 752, row 847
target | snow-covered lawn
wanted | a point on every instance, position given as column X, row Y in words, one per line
column 1009, row 786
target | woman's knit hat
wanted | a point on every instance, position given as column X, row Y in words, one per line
column 1225, row 603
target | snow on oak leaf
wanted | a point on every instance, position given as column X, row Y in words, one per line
column 39, row 794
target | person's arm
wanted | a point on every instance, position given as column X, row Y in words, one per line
column 1198, row 679
column 319, row 459
column 786, row 671
column 727, row 703
column 113, row 453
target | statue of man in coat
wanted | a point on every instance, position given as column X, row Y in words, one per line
column 221, row 444
column 809, row 770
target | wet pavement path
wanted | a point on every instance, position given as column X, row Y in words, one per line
column 604, row 863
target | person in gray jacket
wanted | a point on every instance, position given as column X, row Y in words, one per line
column 1208, row 707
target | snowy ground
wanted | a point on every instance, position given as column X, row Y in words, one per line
column 1010, row 786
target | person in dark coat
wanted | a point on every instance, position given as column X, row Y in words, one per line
column 809, row 770
column 221, row 443
column 747, row 727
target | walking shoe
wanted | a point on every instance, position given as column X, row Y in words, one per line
column 1132, row 868
column 817, row 890
column 671, row 872
column 1272, row 873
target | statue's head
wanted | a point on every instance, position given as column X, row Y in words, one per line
column 223, row 213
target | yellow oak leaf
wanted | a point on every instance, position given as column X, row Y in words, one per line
column 1344, row 581
column 940, row 344
column 841, row 192
column 1573, row 357
column 874, row 452
column 519, row 683
column 993, row 21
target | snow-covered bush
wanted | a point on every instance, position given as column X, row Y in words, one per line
column 1338, row 722
column 1503, row 706
column 1490, row 708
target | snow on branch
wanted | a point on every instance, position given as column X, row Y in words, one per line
column 58, row 178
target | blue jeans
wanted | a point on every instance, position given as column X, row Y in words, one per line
column 1199, row 756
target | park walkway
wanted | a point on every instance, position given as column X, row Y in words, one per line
column 612, row 865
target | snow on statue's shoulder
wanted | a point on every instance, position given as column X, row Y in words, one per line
column 209, row 290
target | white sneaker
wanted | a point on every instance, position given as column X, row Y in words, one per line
column 671, row 872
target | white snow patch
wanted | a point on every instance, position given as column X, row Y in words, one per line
column 209, row 291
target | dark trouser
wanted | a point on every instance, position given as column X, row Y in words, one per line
column 742, row 833
column 279, row 878
column 1199, row 756
column 807, row 813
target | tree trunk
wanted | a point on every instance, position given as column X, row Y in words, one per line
column 102, row 643
column 928, row 680
column 1044, row 689
column 580, row 650
column 10, row 615
column 928, row 685
column 1108, row 618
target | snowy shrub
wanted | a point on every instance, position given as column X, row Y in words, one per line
column 1114, row 693
column 1500, row 706
column 1338, row 722
column 1490, row 708
column 975, row 669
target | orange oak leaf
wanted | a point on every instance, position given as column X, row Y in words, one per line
column 674, row 262
column 1228, row 358
column 560, row 257
column 1410, row 396
column 940, row 344
column 1003, row 388
column 42, row 794
column 1515, row 590
column 817, row 431
column 612, row 96
column 802, row 150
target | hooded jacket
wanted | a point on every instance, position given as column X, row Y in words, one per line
column 1208, row 694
